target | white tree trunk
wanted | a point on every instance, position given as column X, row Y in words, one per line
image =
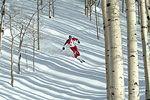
column 133, row 82
column 144, row 32
column 116, row 58
column 12, row 66
column 86, row 8
column 2, row 25
column 105, row 26
column 33, row 48
column 53, row 8
column 90, row 10
column 139, row 15
column 50, row 6
column 96, row 20
column 38, row 26
column 19, row 52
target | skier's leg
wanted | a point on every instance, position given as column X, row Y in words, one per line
column 77, row 52
column 74, row 51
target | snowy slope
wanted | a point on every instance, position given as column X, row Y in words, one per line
column 58, row 75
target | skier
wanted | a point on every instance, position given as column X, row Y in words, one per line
column 73, row 47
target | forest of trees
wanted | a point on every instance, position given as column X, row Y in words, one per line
column 113, row 48
column 113, row 43
column 25, row 27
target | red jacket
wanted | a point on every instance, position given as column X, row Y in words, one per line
column 71, row 42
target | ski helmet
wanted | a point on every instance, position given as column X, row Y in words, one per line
column 70, row 36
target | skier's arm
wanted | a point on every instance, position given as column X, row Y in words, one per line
column 77, row 40
column 65, row 45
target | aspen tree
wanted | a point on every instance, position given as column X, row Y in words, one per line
column 38, row 26
column 2, row 24
column 106, row 48
column 86, row 8
column 21, row 37
column 33, row 48
column 90, row 10
column 116, row 57
column 133, row 82
column 12, row 66
column 20, row 46
column 96, row 20
column 50, row 6
column 144, row 38
column 53, row 8
column 139, row 11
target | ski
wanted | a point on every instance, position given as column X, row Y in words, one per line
column 81, row 60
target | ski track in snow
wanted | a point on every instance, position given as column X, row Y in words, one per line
column 59, row 76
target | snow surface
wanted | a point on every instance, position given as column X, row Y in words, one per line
column 58, row 75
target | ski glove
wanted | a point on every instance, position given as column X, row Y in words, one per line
column 78, row 41
column 63, row 48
